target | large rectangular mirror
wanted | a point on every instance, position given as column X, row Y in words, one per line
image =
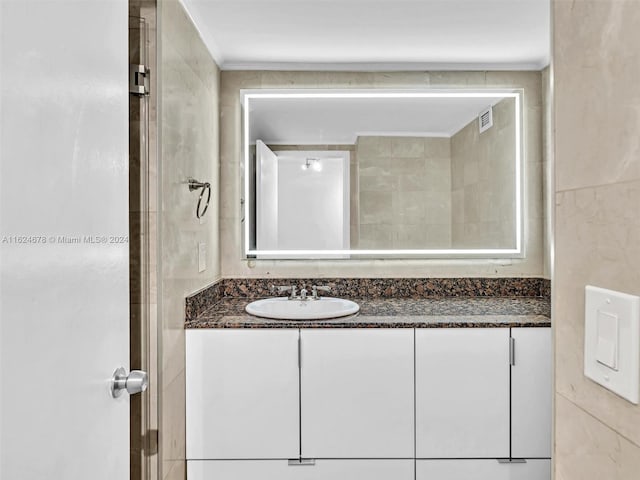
column 377, row 173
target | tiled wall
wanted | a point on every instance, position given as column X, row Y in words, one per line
column 231, row 170
column 189, row 86
column 596, row 66
column 404, row 192
column 483, row 182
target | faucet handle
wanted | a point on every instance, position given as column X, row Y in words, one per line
column 280, row 288
column 319, row 288
column 283, row 288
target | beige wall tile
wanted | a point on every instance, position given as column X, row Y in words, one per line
column 407, row 147
column 597, row 243
column 437, row 148
column 174, row 470
column 595, row 63
column 376, row 207
column 373, row 147
column 420, row 188
column 483, row 179
column 587, row 449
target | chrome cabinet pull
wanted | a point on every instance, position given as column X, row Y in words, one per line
column 512, row 351
column 302, row 462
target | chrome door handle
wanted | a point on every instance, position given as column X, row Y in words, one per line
column 136, row 381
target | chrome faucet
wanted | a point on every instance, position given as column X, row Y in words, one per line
column 293, row 290
column 318, row 288
column 281, row 289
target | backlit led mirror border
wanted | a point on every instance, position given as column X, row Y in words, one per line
column 250, row 252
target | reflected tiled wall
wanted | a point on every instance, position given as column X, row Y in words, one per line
column 404, row 192
column 189, row 86
column 231, row 175
column 596, row 66
column 483, row 182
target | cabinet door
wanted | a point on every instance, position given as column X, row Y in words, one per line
column 357, row 393
column 242, row 397
column 482, row 470
column 281, row 470
column 531, row 393
column 462, row 393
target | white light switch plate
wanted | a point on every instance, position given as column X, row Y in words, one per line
column 612, row 341
column 202, row 257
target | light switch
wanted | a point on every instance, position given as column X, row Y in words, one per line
column 612, row 341
column 202, row 257
column 607, row 343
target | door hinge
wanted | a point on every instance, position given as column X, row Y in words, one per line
column 151, row 442
column 512, row 351
column 138, row 79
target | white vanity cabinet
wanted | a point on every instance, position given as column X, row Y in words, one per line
column 401, row 404
column 468, row 469
column 462, row 392
column 357, row 393
column 531, row 393
column 242, row 394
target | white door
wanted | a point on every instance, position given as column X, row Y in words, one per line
column 531, row 393
column 64, row 292
column 462, row 392
column 242, row 393
column 313, row 201
column 266, row 198
column 357, row 393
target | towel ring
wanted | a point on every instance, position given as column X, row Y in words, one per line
column 202, row 186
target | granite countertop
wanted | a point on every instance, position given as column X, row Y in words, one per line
column 395, row 313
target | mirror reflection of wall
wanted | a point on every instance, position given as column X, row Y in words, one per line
column 439, row 192
column 429, row 175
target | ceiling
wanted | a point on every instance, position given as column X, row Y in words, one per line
column 339, row 121
column 375, row 35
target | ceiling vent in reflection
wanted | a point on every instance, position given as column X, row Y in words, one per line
column 485, row 119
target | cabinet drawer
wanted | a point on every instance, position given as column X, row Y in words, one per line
column 281, row 470
column 482, row 470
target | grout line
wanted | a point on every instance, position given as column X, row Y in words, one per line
column 600, row 421
column 598, row 186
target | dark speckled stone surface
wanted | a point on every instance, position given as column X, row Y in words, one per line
column 370, row 288
column 395, row 313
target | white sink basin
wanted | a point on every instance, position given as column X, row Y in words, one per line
column 284, row 309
